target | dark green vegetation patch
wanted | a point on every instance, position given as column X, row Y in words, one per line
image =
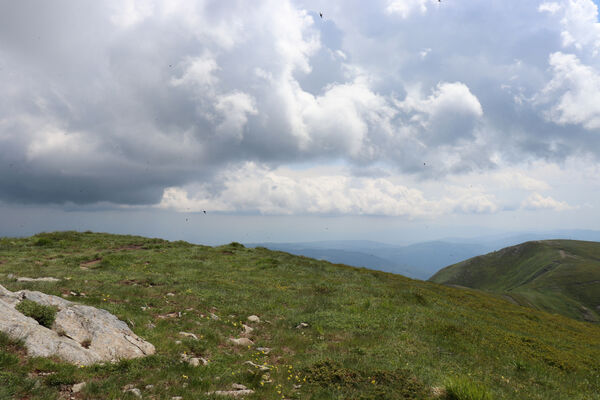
column 366, row 334
column 44, row 315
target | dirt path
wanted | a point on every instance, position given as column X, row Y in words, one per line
column 562, row 253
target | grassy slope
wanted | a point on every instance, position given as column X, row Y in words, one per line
column 372, row 335
column 560, row 276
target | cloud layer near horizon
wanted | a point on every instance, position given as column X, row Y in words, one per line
column 205, row 104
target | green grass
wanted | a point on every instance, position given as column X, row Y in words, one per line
column 371, row 335
column 44, row 315
column 558, row 276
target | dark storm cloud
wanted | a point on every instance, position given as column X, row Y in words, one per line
column 116, row 101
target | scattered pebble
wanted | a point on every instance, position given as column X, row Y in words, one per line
column 78, row 387
column 214, row 316
column 149, row 387
column 262, row 368
column 265, row 350
column 135, row 391
column 302, row 325
column 253, row 318
column 247, row 329
column 187, row 334
column 44, row 279
column 242, row 341
column 171, row 294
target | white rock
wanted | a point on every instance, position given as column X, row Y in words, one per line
column 136, row 392
column 187, row 334
column 78, row 387
column 302, row 325
column 247, row 329
column 232, row 393
column 176, row 398
column 109, row 339
column 242, row 341
column 262, row 368
column 171, row 294
column 238, row 386
column 44, row 279
column 214, row 316
column 265, row 350
column 253, row 318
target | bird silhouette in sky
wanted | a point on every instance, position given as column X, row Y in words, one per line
column 204, row 211
column 321, row 15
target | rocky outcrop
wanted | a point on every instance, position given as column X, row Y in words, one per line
column 80, row 334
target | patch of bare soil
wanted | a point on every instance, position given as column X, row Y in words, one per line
column 90, row 263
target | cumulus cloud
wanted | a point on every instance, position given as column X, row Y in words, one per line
column 579, row 22
column 536, row 201
column 255, row 188
column 573, row 92
column 117, row 101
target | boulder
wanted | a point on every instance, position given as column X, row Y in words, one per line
column 81, row 335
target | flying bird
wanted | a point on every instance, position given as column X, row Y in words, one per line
column 204, row 211
column 321, row 14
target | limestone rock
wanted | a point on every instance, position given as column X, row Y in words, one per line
column 81, row 335
column 188, row 335
column 262, row 368
column 253, row 318
column 247, row 329
column 78, row 387
column 302, row 325
column 241, row 341
column 44, row 279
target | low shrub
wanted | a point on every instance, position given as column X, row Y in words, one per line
column 44, row 315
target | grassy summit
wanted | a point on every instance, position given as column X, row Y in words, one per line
column 558, row 276
column 370, row 335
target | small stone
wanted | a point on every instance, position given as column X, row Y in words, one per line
column 187, row 334
column 171, row 294
column 176, row 398
column 149, row 387
column 253, row 318
column 247, row 329
column 265, row 350
column 214, row 316
column 302, row 325
column 238, row 386
column 136, row 392
column 178, row 342
column 242, row 341
column 10, row 276
column 297, row 386
column 232, row 393
column 262, row 368
column 44, row 279
column 150, row 325
column 78, row 387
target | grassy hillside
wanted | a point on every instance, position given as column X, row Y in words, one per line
column 370, row 335
column 559, row 276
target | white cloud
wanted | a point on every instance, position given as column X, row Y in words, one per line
column 282, row 192
column 405, row 8
column 536, row 201
column 511, row 178
column 579, row 22
column 573, row 93
column 449, row 114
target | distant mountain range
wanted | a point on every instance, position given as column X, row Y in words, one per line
column 418, row 260
column 558, row 276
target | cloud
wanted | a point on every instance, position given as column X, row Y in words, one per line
column 573, row 93
column 579, row 22
column 536, row 201
column 117, row 101
column 257, row 189
column 405, row 8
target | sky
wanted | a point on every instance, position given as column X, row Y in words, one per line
column 389, row 120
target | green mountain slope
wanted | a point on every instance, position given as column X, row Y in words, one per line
column 368, row 334
column 558, row 276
